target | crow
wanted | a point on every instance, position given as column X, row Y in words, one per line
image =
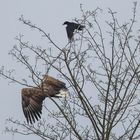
column 71, row 27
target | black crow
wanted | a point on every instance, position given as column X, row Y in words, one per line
column 71, row 26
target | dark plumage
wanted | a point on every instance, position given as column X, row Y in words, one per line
column 71, row 27
column 32, row 98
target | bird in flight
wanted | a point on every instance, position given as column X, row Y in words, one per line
column 71, row 27
column 32, row 98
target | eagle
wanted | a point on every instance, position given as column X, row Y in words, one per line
column 71, row 27
column 32, row 98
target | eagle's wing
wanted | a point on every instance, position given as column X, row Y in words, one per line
column 32, row 99
column 50, row 81
column 54, row 87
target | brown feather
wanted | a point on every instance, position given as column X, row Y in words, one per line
column 48, row 80
column 32, row 99
column 52, row 85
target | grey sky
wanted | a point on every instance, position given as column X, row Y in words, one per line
column 48, row 14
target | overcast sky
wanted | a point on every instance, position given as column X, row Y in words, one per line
column 50, row 15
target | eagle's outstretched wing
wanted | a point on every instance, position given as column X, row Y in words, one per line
column 32, row 99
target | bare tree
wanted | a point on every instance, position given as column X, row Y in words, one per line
column 101, row 69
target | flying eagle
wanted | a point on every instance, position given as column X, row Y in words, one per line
column 71, row 27
column 32, row 98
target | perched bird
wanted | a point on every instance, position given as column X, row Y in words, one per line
column 71, row 27
column 32, row 98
